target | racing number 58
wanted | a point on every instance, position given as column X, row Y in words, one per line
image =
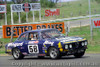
column 33, row 49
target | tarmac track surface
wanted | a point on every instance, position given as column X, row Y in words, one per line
column 88, row 60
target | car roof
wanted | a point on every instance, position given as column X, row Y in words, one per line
column 38, row 30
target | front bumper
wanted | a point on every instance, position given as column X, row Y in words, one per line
column 77, row 47
column 8, row 51
column 72, row 51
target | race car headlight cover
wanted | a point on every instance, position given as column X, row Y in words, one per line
column 66, row 46
column 70, row 46
column 86, row 43
column 83, row 43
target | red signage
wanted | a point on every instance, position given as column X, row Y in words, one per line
column 52, row 12
column 26, row 7
column 96, row 23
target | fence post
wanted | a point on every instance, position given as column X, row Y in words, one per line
column 11, row 40
column 19, row 17
column 68, row 26
column 80, row 25
column 27, row 17
column 43, row 17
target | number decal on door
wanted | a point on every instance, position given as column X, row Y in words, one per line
column 33, row 49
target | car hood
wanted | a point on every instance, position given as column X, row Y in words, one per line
column 69, row 39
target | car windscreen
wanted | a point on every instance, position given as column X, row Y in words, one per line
column 50, row 34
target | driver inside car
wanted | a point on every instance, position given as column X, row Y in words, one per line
column 33, row 37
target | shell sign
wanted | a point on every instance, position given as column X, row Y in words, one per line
column 18, row 29
column 52, row 12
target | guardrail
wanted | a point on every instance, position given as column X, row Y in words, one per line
column 64, row 19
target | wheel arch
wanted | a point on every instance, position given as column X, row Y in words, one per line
column 13, row 49
column 49, row 49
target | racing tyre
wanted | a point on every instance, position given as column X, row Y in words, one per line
column 54, row 53
column 17, row 54
column 79, row 55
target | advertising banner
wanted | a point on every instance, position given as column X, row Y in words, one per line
column 16, row 8
column 18, row 29
column 25, row 7
column 35, row 6
column 52, row 12
column 2, row 8
column 96, row 23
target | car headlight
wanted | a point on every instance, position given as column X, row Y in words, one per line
column 85, row 42
column 70, row 46
column 66, row 46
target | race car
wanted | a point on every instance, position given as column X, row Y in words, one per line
column 46, row 42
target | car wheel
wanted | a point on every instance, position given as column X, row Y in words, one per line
column 79, row 55
column 17, row 54
column 54, row 53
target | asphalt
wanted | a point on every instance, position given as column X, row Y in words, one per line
column 88, row 60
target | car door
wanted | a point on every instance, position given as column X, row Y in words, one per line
column 32, row 43
column 22, row 39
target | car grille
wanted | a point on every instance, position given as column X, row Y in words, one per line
column 76, row 45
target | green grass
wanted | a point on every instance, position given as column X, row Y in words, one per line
column 5, row 41
column 93, row 45
column 2, row 50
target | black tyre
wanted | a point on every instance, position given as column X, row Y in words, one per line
column 54, row 53
column 79, row 55
column 17, row 54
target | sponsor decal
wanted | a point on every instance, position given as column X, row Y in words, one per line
column 24, row 53
column 36, row 41
column 60, row 47
column 44, row 46
column 69, row 39
column 82, row 39
column 15, row 44
column 33, row 42
column 45, row 51
column 48, row 42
